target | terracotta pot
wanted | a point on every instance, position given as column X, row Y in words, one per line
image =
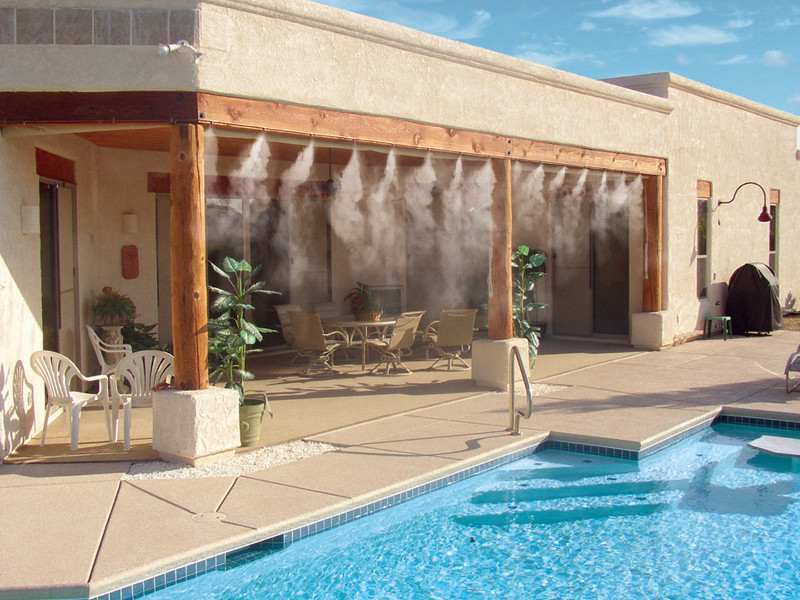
column 368, row 315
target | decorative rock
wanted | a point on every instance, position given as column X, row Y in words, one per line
column 196, row 426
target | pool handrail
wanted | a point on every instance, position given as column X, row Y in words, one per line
column 515, row 414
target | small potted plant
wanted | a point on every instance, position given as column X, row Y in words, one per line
column 364, row 303
column 230, row 339
column 529, row 267
column 111, row 311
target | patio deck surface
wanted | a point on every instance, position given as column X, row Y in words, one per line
column 81, row 529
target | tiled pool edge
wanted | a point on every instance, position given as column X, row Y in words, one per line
column 232, row 558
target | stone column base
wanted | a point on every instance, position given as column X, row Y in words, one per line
column 490, row 362
column 647, row 330
column 196, row 426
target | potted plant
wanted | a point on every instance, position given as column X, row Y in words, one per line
column 230, row 339
column 529, row 267
column 111, row 310
column 364, row 303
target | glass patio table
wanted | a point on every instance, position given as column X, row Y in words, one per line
column 358, row 332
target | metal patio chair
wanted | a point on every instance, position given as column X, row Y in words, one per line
column 313, row 343
column 397, row 344
column 451, row 335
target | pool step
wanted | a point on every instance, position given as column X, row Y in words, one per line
column 571, row 473
column 597, row 490
column 548, row 517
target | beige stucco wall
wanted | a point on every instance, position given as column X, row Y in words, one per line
column 717, row 137
column 20, row 293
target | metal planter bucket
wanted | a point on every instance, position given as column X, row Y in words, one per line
column 251, row 413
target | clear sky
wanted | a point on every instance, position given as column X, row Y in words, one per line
column 747, row 47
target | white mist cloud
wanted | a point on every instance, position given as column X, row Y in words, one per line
column 734, row 60
column 682, row 59
column 775, row 58
column 473, row 29
column 794, row 100
column 419, row 17
column 691, row 35
column 553, row 58
column 649, row 10
column 587, row 26
column 740, row 23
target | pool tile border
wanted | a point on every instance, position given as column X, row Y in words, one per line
column 245, row 554
column 239, row 556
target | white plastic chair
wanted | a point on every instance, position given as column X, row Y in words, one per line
column 105, row 351
column 58, row 371
column 141, row 371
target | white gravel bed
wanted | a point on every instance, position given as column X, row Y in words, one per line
column 246, row 462
column 540, row 389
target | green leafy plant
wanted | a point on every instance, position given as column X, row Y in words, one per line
column 112, row 308
column 231, row 335
column 362, row 299
column 529, row 267
column 139, row 336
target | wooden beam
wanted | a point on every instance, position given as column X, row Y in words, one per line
column 704, row 189
column 652, row 300
column 61, row 108
column 303, row 121
column 97, row 107
column 501, row 326
column 342, row 126
column 188, row 258
column 53, row 166
column 574, row 156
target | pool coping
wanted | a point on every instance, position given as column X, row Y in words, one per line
column 251, row 550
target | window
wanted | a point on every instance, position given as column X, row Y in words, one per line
column 703, row 246
column 774, row 201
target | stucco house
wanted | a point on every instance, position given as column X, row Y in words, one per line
column 334, row 148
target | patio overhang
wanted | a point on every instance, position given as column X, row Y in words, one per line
column 175, row 122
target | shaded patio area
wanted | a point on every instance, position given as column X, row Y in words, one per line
column 307, row 406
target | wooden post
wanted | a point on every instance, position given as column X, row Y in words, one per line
column 501, row 326
column 653, row 241
column 188, row 257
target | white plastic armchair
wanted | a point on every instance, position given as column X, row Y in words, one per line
column 105, row 351
column 141, row 371
column 58, row 371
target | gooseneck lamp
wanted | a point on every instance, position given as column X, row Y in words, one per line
column 764, row 217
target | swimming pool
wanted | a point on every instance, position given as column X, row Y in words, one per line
column 706, row 518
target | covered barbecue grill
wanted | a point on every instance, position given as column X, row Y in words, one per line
column 753, row 301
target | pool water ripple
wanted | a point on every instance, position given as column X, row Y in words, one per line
column 706, row 519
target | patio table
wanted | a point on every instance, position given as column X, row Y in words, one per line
column 357, row 332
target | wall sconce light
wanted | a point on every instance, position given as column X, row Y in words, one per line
column 130, row 223
column 181, row 46
column 764, row 217
column 29, row 218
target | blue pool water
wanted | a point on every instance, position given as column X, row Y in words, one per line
column 706, row 518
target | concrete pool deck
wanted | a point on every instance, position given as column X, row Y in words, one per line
column 80, row 530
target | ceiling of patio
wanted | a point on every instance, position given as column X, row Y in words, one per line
column 157, row 139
